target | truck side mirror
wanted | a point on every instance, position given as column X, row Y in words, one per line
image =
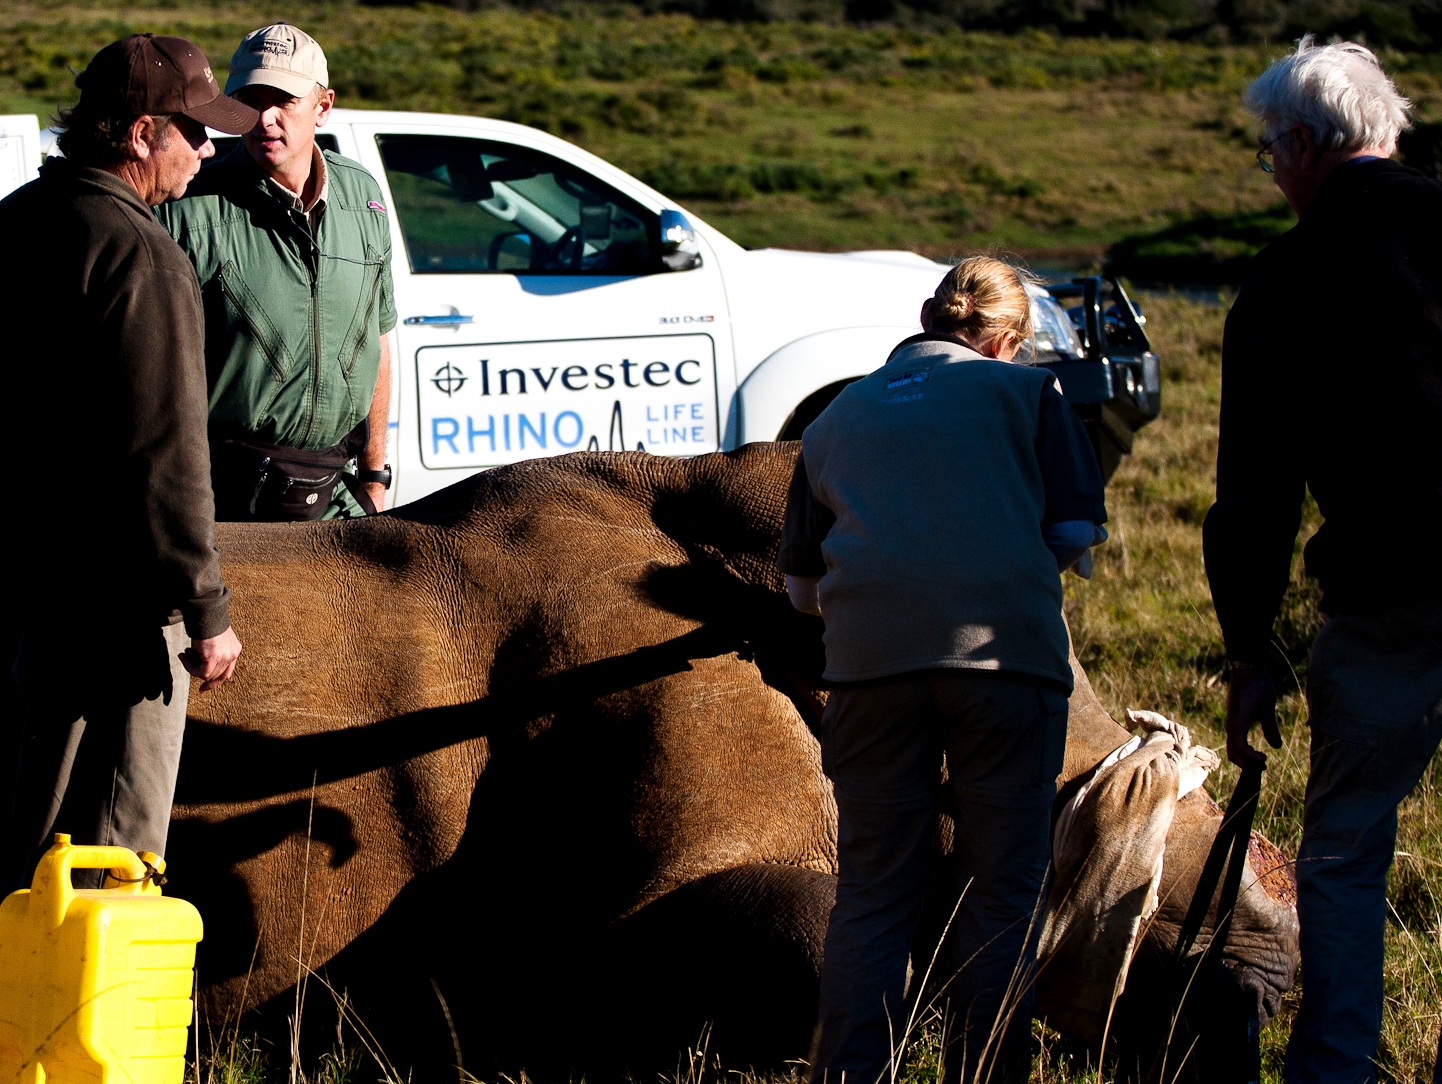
column 679, row 251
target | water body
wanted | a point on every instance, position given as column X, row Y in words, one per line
column 1206, row 294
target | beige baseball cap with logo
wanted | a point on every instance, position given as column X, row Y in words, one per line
column 279, row 56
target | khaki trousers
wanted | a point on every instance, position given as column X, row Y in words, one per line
column 105, row 779
column 882, row 743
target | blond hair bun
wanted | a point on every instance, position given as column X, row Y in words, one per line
column 960, row 306
column 980, row 298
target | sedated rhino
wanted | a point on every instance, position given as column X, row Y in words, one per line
column 524, row 769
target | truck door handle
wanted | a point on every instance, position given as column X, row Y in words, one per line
column 449, row 320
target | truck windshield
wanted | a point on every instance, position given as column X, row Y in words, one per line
column 469, row 206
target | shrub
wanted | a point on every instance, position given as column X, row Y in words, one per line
column 1207, row 249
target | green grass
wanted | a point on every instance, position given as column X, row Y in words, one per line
column 800, row 134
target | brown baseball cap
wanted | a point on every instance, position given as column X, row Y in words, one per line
column 161, row 76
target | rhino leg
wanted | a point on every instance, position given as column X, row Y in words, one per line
column 739, row 951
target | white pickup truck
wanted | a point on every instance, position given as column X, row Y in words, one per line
column 550, row 302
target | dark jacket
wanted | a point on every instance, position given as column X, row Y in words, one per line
column 1332, row 381
column 112, row 523
column 921, row 497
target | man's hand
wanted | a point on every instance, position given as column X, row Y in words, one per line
column 377, row 493
column 212, row 660
column 1251, row 698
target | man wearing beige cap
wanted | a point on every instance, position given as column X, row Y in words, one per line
column 118, row 591
column 293, row 252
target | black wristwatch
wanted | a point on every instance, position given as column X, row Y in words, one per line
column 383, row 476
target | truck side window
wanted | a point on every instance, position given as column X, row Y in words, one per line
column 472, row 206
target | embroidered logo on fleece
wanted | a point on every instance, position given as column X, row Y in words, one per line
column 907, row 378
column 374, row 206
column 909, row 382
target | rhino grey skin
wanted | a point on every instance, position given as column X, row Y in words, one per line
column 537, row 745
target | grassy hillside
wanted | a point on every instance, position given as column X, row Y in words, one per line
column 806, row 135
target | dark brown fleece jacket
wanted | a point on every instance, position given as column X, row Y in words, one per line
column 111, row 514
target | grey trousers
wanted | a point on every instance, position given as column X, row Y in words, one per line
column 106, row 780
column 882, row 743
column 1374, row 694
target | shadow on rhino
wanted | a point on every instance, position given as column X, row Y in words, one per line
column 536, row 752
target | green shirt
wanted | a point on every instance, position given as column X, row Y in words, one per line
column 293, row 320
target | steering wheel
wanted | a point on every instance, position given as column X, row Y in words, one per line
column 576, row 236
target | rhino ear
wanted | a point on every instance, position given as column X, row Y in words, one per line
column 1091, row 733
column 1148, row 721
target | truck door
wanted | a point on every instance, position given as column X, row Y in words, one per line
column 536, row 314
column 19, row 151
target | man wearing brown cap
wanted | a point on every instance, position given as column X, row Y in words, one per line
column 115, row 589
column 292, row 249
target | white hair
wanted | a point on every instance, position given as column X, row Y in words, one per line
column 1339, row 91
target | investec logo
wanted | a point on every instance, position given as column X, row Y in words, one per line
column 656, row 374
column 503, row 403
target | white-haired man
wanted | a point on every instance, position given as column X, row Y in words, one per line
column 1332, row 381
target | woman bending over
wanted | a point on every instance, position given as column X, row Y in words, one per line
column 933, row 508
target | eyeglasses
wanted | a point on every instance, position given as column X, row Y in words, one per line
column 1264, row 154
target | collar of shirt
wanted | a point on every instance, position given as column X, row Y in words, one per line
column 293, row 202
column 937, row 337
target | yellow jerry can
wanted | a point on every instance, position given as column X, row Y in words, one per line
column 95, row 983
